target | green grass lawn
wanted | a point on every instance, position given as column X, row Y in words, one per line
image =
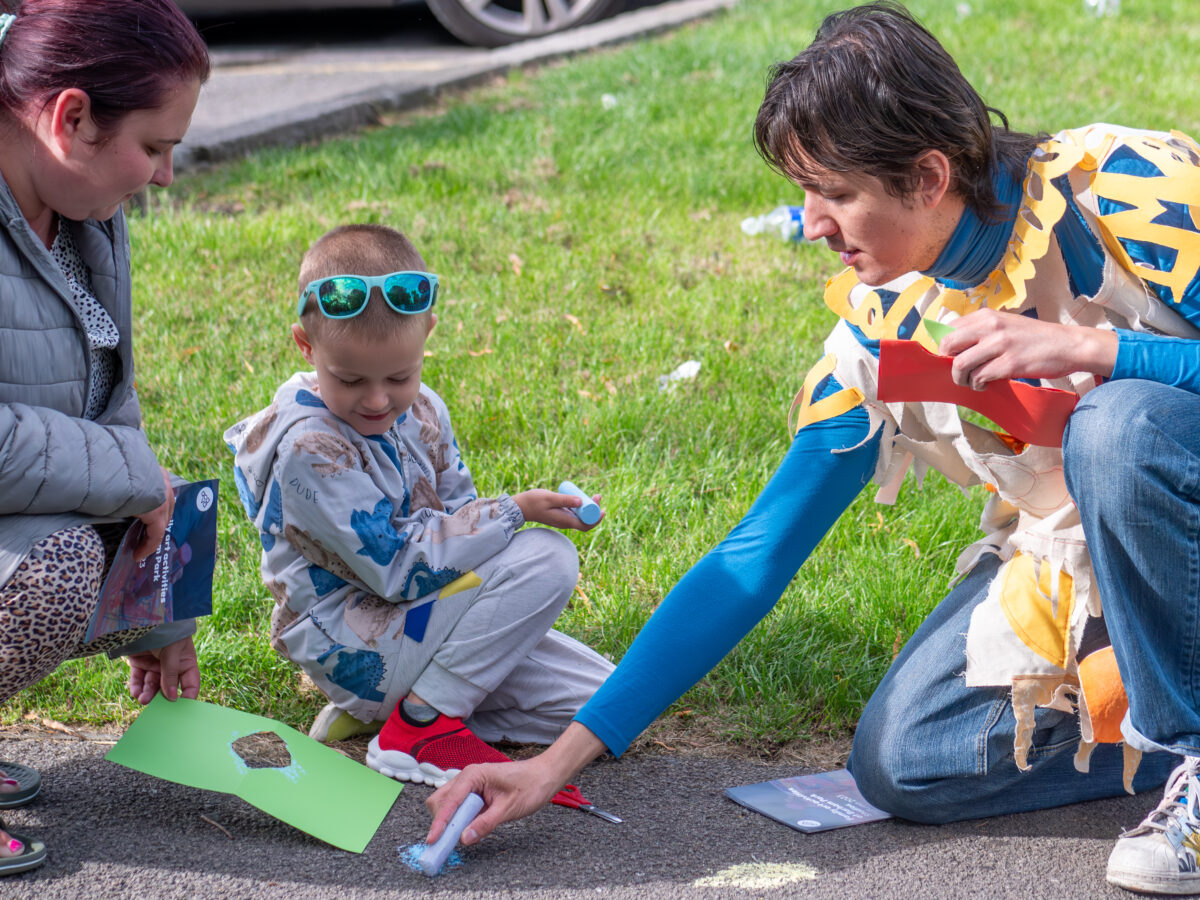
column 585, row 250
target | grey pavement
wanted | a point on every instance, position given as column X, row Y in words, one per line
column 116, row 833
column 256, row 99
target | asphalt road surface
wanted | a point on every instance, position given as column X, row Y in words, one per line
column 116, row 833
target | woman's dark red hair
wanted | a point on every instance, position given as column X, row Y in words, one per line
column 125, row 54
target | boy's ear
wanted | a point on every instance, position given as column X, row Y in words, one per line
column 432, row 323
column 302, row 341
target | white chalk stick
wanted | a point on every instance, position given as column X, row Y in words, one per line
column 589, row 513
column 434, row 857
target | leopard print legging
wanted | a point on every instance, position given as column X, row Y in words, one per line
column 46, row 606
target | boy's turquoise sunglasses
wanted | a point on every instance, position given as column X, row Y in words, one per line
column 345, row 296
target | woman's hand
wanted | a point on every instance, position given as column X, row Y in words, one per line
column 156, row 522
column 991, row 346
column 554, row 509
column 172, row 669
column 512, row 790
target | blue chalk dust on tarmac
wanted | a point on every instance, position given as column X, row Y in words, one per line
column 410, row 855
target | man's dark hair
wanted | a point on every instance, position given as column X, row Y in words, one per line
column 872, row 93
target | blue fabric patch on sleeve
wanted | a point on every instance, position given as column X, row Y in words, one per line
column 244, row 493
column 307, row 398
column 273, row 517
column 390, row 452
column 422, row 579
column 323, row 581
column 358, row 671
column 380, row 541
column 416, row 620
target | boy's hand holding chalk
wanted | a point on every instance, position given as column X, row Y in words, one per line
column 569, row 507
column 589, row 513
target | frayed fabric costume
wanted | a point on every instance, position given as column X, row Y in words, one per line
column 1100, row 233
column 1029, row 631
column 390, row 575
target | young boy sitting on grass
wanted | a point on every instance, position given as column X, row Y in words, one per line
column 396, row 588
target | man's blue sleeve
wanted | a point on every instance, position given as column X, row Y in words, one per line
column 1167, row 360
column 738, row 582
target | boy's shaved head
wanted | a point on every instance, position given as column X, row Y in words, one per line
column 359, row 250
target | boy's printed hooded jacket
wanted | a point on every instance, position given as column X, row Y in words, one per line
column 359, row 533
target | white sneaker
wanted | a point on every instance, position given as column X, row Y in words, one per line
column 1159, row 856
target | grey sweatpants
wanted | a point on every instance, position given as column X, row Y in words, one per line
column 488, row 654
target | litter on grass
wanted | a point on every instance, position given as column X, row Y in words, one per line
column 683, row 372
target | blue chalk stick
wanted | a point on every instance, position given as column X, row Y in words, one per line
column 434, row 857
column 589, row 513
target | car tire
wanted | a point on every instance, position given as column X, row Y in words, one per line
column 502, row 22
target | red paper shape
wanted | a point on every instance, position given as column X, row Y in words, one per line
column 1035, row 415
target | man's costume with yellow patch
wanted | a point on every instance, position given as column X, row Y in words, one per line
column 1134, row 192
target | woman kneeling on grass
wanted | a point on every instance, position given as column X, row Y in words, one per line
column 94, row 96
column 1067, row 261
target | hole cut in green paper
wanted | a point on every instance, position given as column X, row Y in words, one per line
column 319, row 791
column 263, row 750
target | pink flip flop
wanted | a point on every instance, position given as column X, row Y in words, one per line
column 33, row 855
column 29, row 785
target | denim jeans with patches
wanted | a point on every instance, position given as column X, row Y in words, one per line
column 930, row 749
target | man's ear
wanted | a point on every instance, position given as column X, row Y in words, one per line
column 71, row 119
column 934, row 177
column 432, row 323
column 302, row 341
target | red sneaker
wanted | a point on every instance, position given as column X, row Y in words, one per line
column 431, row 754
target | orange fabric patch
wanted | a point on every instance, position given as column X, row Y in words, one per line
column 1104, row 694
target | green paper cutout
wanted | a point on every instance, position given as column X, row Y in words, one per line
column 937, row 330
column 328, row 795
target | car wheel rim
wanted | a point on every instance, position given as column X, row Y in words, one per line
column 528, row 18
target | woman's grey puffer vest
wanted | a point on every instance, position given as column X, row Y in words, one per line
column 58, row 470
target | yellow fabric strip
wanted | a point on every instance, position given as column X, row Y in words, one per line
column 807, row 412
column 1042, row 625
column 868, row 315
